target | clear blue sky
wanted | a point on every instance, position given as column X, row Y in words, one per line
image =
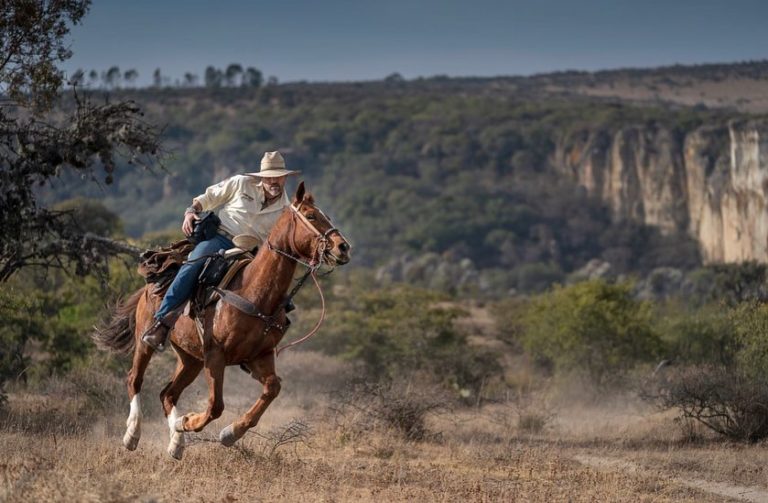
column 360, row 40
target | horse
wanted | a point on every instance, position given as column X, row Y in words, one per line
column 225, row 335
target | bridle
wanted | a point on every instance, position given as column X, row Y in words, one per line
column 315, row 260
column 312, row 263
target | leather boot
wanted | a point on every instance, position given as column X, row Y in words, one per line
column 157, row 334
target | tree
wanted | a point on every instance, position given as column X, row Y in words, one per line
column 157, row 78
column 592, row 326
column 190, row 79
column 399, row 330
column 232, row 72
column 36, row 144
column 77, row 78
column 252, row 77
column 112, row 77
column 213, row 77
column 130, row 76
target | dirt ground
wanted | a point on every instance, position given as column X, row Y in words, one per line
column 63, row 442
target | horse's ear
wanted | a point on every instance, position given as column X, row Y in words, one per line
column 300, row 191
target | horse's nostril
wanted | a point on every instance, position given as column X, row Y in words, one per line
column 344, row 247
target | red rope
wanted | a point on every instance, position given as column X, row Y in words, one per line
column 317, row 326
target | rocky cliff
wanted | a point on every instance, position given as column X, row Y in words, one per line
column 711, row 182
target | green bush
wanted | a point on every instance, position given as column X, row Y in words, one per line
column 403, row 330
column 750, row 321
column 705, row 335
column 593, row 327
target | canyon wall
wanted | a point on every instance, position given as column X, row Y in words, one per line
column 711, row 182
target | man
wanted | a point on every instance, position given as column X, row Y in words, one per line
column 247, row 204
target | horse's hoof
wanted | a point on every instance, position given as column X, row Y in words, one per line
column 227, row 436
column 179, row 424
column 176, row 449
column 130, row 442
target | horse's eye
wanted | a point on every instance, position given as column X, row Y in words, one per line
column 311, row 216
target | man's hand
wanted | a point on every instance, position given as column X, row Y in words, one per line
column 186, row 227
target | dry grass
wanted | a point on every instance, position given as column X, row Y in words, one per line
column 61, row 447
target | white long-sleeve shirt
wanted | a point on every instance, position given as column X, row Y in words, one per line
column 238, row 200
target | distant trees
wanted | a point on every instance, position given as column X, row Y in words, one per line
column 130, row 76
column 77, row 78
column 190, row 79
column 109, row 79
column 213, row 77
column 112, row 77
column 252, row 77
column 234, row 75
column 157, row 78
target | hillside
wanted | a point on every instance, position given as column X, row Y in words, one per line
column 485, row 170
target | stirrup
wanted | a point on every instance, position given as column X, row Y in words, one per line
column 151, row 335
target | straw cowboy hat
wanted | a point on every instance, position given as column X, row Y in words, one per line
column 273, row 165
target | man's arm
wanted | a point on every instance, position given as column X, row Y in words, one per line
column 190, row 215
column 214, row 196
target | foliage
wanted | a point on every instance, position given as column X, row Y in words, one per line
column 594, row 326
column 395, row 404
column 37, row 144
column 45, row 319
column 403, row 330
column 695, row 336
column 725, row 400
column 415, row 168
column 726, row 388
column 738, row 283
column 751, row 326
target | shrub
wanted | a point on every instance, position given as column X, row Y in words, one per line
column 404, row 330
column 702, row 336
column 730, row 396
column 392, row 404
column 727, row 401
column 595, row 327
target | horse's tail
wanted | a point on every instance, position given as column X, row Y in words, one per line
column 117, row 334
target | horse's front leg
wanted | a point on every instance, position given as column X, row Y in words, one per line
column 214, row 374
column 141, row 356
column 263, row 369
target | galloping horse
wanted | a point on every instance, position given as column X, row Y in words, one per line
column 302, row 234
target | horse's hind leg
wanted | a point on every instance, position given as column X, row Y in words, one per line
column 141, row 356
column 187, row 369
column 263, row 369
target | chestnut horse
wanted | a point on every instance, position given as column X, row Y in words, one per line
column 302, row 234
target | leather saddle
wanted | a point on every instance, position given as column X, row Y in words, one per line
column 159, row 267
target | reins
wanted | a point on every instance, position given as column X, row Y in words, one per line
column 312, row 264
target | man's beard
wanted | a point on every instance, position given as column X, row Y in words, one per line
column 273, row 191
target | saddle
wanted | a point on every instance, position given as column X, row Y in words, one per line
column 159, row 267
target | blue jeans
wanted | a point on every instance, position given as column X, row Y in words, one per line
column 185, row 281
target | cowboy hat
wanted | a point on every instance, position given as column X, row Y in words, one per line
column 273, row 165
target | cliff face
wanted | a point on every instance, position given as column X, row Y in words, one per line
column 711, row 182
